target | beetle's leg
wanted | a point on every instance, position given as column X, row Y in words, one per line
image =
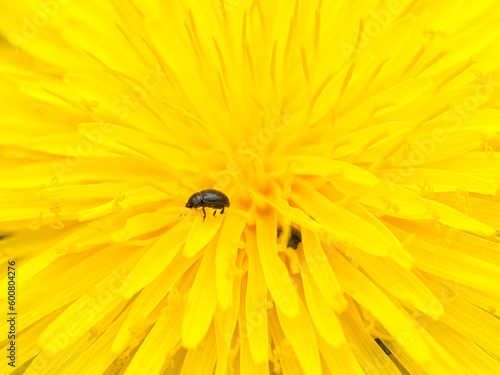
column 204, row 213
column 215, row 211
column 222, row 210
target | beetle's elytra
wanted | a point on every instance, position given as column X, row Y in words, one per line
column 294, row 239
column 208, row 198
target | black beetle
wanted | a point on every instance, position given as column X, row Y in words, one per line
column 294, row 239
column 208, row 198
column 382, row 346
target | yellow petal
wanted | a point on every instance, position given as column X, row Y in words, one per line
column 300, row 333
column 472, row 359
column 401, row 283
column 476, row 163
column 157, row 258
column 277, row 278
column 248, row 366
column 442, row 181
column 331, row 169
column 346, row 226
column 201, row 361
column 339, row 360
column 389, row 199
column 283, row 352
column 224, row 325
column 322, row 315
column 255, row 324
column 363, row 291
column 202, row 302
column 95, row 357
column 80, row 316
column 82, row 238
column 225, row 259
column 320, row 271
column 370, row 356
column 399, row 254
column 201, row 232
column 450, row 264
column 142, row 224
column 149, row 298
column 159, row 342
column 455, row 219
column 482, row 329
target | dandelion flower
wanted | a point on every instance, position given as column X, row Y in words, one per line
column 371, row 128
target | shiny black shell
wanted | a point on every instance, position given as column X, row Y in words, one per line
column 294, row 239
column 208, row 198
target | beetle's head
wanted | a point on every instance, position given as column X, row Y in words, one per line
column 194, row 201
